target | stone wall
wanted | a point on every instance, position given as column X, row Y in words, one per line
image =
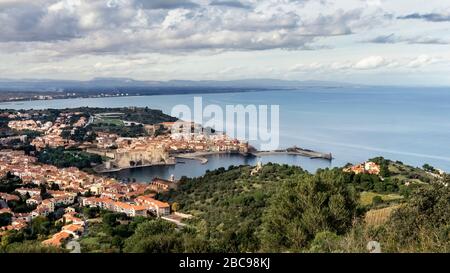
column 134, row 158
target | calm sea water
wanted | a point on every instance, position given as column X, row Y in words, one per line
column 407, row 124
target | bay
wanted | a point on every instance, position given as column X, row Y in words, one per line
column 411, row 125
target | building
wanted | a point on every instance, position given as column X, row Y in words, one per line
column 364, row 168
column 162, row 185
column 157, row 207
column 130, row 209
column 58, row 239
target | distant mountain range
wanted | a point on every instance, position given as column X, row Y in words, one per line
column 109, row 84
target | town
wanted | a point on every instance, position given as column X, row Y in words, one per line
column 133, row 199
column 47, row 189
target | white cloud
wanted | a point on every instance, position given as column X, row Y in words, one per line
column 100, row 26
column 110, row 36
column 423, row 60
column 370, row 63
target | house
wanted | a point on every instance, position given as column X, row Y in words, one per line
column 9, row 197
column 19, row 224
column 36, row 200
column 69, row 210
column 31, row 192
column 50, row 204
column 96, row 189
column 71, row 218
column 5, row 210
column 58, row 239
column 112, row 195
column 130, row 209
column 162, row 185
column 74, row 230
column 103, row 203
column 366, row 168
column 22, row 217
column 40, row 211
column 64, row 200
column 157, row 207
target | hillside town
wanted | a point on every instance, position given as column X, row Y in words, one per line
column 133, row 199
column 73, row 130
column 45, row 189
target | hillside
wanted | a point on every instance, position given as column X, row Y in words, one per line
column 284, row 208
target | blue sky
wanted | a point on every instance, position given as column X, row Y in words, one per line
column 401, row 42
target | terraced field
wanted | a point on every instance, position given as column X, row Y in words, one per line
column 378, row 217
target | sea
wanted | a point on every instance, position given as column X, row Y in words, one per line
column 355, row 124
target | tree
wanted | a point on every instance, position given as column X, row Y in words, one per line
column 155, row 236
column 32, row 247
column 325, row 242
column 376, row 200
column 422, row 224
column 304, row 207
column 44, row 194
column 428, row 167
column 175, row 207
column 5, row 219
column 90, row 212
column 54, row 187
column 40, row 226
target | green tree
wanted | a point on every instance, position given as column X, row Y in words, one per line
column 175, row 207
column 376, row 200
column 304, row 207
column 325, row 242
column 5, row 219
column 422, row 224
column 156, row 236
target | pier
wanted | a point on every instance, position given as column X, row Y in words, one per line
column 296, row 151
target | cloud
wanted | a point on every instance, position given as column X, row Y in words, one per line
column 230, row 3
column 423, row 60
column 166, row 4
column 74, row 27
column 393, row 39
column 431, row 17
column 22, row 21
column 371, row 62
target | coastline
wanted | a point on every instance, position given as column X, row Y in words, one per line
column 98, row 169
column 218, row 91
column 203, row 156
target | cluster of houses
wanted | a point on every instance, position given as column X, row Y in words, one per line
column 30, row 125
column 365, row 167
column 133, row 199
column 51, row 130
column 174, row 142
column 73, row 228
column 141, row 206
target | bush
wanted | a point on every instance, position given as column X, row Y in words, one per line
column 325, row 242
column 376, row 200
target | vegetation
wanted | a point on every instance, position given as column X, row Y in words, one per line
column 280, row 209
column 10, row 183
column 284, row 209
column 29, row 239
column 121, row 130
column 31, row 247
column 5, row 219
column 368, row 198
column 63, row 158
column 303, row 208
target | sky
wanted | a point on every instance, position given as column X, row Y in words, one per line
column 398, row 42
